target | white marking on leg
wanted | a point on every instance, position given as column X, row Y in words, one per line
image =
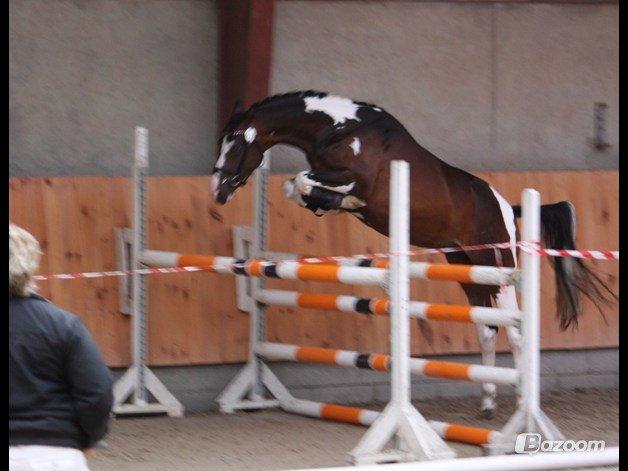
column 355, row 146
column 509, row 221
column 290, row 191
column 351, row 202
column 487, row 338
column 507, row 299
column 337, row 108
column 305, row 184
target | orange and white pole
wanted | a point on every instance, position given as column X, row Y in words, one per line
column 349, row 274
column 381, row 362
column 358, row 416
column 381, row 306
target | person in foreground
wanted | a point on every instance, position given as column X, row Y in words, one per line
column 60, row 390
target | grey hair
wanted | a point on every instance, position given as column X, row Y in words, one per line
column 24, row 256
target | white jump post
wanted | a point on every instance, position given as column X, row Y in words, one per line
column 138, row 381
column 529, row 417
column 413, row 436
column 246, row 390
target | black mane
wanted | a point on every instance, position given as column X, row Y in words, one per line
column 281, row 99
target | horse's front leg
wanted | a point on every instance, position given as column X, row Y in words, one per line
column 326, row 192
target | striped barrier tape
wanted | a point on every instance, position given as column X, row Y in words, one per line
column 361, row 260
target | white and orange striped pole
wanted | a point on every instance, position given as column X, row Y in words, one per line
column 288, row 270
column 381, row 307
column 333, row 272
column 355, row 415
column 381, row 362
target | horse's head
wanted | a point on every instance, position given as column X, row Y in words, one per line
column 240, row 154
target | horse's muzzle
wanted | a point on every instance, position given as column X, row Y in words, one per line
column 223, row 188
column 220, row 192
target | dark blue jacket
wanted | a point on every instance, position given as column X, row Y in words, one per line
column 60, row 390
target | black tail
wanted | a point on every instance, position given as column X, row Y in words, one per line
column 573, row 277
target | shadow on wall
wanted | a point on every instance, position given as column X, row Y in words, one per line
column 287, row 159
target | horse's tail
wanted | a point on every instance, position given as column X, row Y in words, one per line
column 573, row 277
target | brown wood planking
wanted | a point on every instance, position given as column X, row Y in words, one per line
column 192, row 317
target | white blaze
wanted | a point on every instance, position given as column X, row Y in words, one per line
column 355, row 145
column 337, row 108
column 509, row 221
column 224, row 150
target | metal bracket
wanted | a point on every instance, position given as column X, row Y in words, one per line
column 242, row 237
column 124, row 251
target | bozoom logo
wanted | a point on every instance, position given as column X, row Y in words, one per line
column 532, row 443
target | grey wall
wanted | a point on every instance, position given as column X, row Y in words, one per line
column 198, row 387
column 82, row 73
column 485, row 86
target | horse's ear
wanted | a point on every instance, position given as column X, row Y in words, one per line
column 237, row 107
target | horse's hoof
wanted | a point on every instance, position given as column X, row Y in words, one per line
column 351, row 202
column 487, row 414
column 289, row 188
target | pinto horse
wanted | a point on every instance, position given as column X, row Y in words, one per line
column 349, row 146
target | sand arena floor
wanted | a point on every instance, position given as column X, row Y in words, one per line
column 271, row 440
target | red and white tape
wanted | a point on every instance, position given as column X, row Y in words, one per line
column 102, row 274
column 586, row 254
column 535, row 248
column 412, row 253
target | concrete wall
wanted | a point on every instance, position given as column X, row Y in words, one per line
column 82, row 73
column 198, row 387
column 485, row 86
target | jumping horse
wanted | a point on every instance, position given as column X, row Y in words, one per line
column 349, row 145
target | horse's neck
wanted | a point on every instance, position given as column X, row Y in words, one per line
column 298, row 129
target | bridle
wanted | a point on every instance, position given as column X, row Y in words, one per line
column 233, row 177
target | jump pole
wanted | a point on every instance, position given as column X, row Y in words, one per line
column 381, row 307
column 537, row 461
column 246, row 390
column 358, row 416
column 529, row 417
column 412, row 436
column 349, row 274
column 139, row 380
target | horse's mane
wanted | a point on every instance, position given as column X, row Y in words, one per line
column 283, row 99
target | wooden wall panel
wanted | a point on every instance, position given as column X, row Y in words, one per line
column 193, row 319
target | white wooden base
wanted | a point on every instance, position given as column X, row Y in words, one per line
column 125, row 386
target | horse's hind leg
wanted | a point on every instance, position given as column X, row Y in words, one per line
column 487, row 335
column 506, row 298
